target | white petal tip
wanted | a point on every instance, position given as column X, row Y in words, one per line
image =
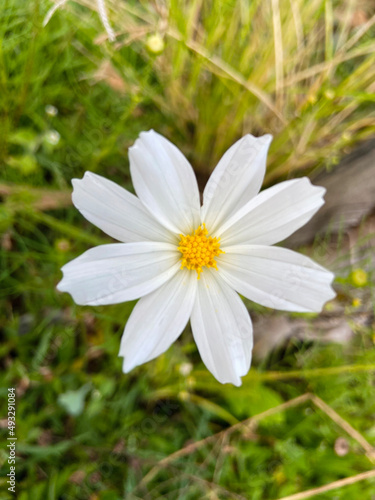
column 79, row 184
column 236, row 382
column 126, row 366
column 147, row 132
column 328, row 296
column 322, row 190
column 332, row 295
column 61, row 285
column 263, row 138
column 142, row 136
column 127, row 363
column 268, row 138
column 64, row 287
column 86, row 176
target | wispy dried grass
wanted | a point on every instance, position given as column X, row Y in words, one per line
column 303, row 71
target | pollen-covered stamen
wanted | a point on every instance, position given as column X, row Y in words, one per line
column 199, row 250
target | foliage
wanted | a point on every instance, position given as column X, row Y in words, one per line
column 303, row 71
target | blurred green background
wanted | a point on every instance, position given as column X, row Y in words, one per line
column 202, row 74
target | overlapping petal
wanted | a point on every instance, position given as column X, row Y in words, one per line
column 158, row 320
column 165, row 182
column 274, row 214
column 115, row 211
column 222, row 329
column 277, row 277
column 109, row 274
column 236, row 179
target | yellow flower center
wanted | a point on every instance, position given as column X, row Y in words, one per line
column 199, row 250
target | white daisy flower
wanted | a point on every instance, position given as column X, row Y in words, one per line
column 187, row 261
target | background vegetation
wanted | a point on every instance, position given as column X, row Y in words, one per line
column 201, row 73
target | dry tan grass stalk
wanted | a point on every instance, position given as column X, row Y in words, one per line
column 279, row 60
column 370, row 451
column 229, row 72
column 331, row 486
column 39, row 199
column 249, row 424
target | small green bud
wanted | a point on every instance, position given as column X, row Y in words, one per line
column 155, row 44
column 358, row 277
column 329, row 94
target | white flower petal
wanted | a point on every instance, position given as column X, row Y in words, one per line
column 109, row 274
column 158, row 319
column 274, row 214
column 165, row 182
column 222, row 329
column 115, row 211
column 236, row 179
column 277, row 277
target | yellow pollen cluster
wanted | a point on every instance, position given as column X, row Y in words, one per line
column 199, row 250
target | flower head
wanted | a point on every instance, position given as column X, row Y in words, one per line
column 187, row 261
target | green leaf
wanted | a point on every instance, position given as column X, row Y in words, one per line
column 27, row 164
column 25, row 137
column 73, row 401
column 253, row 399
